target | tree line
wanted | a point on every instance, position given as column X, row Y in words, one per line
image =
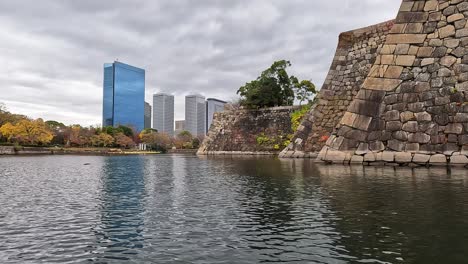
column 22, row 130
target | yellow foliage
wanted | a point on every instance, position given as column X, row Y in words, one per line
column 102, row 140
column 8, row 130
column 28, row 131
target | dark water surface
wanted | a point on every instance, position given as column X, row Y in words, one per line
column 185, row 209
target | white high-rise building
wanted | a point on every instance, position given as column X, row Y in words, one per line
column 179, row 126
column 163, row 113
column 195, row 114
column 212, row 106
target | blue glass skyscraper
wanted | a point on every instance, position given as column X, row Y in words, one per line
column 124, row 96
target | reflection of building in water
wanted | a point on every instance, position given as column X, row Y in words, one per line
column 122, row 208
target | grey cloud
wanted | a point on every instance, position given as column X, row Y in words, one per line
column 54, row 50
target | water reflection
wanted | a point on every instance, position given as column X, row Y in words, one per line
column 119, row 233
column 396, row 215
column 283, row 217
column 182, row 209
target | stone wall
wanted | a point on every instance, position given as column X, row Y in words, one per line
column 7, row 150
column 412, row 108
column 236, row 131
column 356, row 52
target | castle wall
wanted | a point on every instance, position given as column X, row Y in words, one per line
column 356, row 52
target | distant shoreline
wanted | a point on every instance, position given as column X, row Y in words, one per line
column 31, row 151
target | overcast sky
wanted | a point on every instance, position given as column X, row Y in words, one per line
column 52, row 52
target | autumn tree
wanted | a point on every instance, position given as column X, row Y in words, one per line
column 124, row 141
column 157, row 141
column 102, row 140
column 8, row 131
column 80, row 136
column 183, row 140
column 28, row 131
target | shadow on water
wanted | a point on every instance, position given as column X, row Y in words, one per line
column 119, row 232
column 370, row 214
column 400, row 215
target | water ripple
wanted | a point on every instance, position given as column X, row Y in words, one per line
column 183, row 209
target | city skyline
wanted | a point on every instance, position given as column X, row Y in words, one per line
column 55, row 65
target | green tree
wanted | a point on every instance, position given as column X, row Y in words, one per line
column 59, row 130
column 304, row 90
column 274, row 87
column 127, row 131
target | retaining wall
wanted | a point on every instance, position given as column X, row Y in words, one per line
column 356, row 52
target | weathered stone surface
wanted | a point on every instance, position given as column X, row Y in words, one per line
column 446, row 31
column 459, row 160
column 420, row 78
column 405, row 60
column 369, row 157
column 381, row 84
column 448, row 61
column 403, row 157
column 236, row 131
column 388, row 156
column 335, row 156
column 356, row 51
column 407, row 38
column 357, row 159
column 362, row 149
column 421, row 158
column 454, row 129
column 438, row 159
column 396, row 145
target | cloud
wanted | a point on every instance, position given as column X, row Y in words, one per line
column 53, row 51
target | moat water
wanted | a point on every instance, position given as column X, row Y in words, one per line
column 185, row 209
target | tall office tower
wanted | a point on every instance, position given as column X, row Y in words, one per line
column 147, row 115
column 179, row 126
column 195, row 114
column 212, row 106
column 124, row 96
column 163, row 113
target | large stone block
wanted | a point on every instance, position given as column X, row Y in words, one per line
column 459, row 160
column 407, row 38
column 381, row 84
column 403, row 157
column 335, row 156
column 438, row 159
column 421, row 158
